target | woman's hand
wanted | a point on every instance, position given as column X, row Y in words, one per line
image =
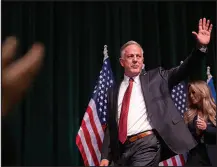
column 201, row 124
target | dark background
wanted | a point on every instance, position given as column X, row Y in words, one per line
column 43, row 127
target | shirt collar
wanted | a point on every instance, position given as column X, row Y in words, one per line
column 135, row 79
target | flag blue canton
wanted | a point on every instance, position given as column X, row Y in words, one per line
column 105, row 81
column 179, row 96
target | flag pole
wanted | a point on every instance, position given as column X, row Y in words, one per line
column 209, row 76
column 105, row 52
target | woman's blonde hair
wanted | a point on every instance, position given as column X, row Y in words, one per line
column 207, row 103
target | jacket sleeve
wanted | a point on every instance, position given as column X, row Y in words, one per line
column 211, row 129
column 106, row 150
column 182, row 72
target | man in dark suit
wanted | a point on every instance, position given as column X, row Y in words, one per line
column 142, row 114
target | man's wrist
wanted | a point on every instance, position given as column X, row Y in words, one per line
column 202, row 48
column 105, row 159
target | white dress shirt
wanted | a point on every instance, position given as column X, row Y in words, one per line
column 137, row 116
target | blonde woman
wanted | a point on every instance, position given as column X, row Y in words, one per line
column 201, row 121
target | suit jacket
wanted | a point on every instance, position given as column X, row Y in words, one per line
column 165, row 119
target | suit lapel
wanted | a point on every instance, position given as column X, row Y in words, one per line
column 114, row 104
column 144, row 79
column 116, row 93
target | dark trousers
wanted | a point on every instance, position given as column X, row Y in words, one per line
column 142, row 152
column 198, row 156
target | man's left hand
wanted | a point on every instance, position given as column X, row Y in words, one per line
column 204, row 32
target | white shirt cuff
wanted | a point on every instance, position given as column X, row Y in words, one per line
column 203, row 49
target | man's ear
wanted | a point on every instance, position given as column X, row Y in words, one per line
column 121, row 62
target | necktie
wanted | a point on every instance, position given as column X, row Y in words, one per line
column 124, row 113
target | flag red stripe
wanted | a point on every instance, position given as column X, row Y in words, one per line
column 89, row 144
column 93, row 125
column 165, row 163
column 81, row 148
column 182, row 159
column 173, row 159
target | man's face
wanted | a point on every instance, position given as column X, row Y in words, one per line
column 132, row 60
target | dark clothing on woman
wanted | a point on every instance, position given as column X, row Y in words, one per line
column 199, row 154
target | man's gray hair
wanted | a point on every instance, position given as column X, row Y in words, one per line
column 122, row 52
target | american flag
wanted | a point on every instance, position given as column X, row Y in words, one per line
column 91, row 133
column 179, row 97
column 211, row 87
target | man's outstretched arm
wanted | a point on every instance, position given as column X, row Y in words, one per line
column 181, row 72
